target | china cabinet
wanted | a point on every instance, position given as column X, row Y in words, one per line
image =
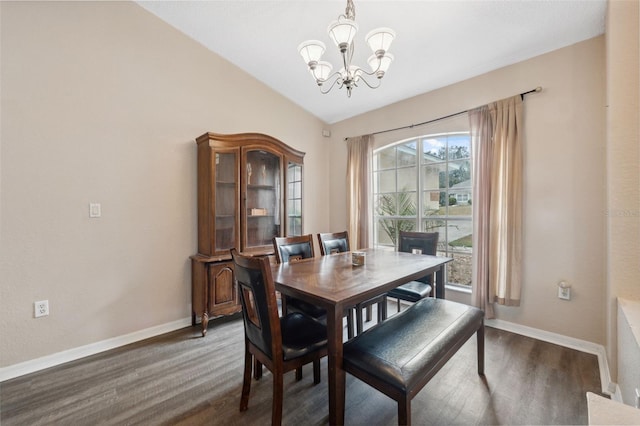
column 249, row 191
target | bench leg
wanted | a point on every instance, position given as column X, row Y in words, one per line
column 480, row 337
column 404, row 411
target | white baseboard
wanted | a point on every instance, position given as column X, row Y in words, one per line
column 608, row 387
column 31, row 366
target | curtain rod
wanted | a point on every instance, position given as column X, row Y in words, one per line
column 537, row 89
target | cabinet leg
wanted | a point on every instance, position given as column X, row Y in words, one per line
column 205, row 323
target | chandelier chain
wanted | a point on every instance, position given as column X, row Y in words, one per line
column 350, row 11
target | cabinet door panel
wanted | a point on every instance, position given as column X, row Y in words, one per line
column 294, row 199
column 223, row 297
column 226, row 200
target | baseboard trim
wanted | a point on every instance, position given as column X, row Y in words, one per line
column 31, row 366
column 608, row 387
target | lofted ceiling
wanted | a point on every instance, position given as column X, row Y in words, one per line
column 438, row 42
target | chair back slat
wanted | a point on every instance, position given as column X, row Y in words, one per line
column 421, row 243
column 418, row 242
column 259, row 305
column 291, row 249
column 333, row 242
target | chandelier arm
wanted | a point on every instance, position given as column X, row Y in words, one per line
column 372, row 73
column 370, row 86
column 313, row 74
column 336, row 81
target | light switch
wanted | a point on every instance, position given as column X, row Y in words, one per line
column 94, row 210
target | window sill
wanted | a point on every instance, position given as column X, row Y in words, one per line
column 458, row 288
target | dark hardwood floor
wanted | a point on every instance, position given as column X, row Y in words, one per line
column 181, row 378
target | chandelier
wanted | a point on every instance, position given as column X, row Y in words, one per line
column 342, row 33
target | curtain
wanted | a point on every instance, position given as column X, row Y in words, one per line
column 496, row 131
column 358, row 175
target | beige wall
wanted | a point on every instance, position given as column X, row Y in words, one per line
column 564, row 192
column 101, row 102
column 623, row 163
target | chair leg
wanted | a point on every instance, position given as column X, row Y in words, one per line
column 316, row 371
column 382, row 310
column 257, row 371
column 398, row 304
column 246, row 380
column 359, row 322
column 276, row 408
column 283, row 303
column 298, row 374
column 369, row 309
column 350, row 323
column 404, row 411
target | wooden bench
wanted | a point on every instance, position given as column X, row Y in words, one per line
column 400, row 355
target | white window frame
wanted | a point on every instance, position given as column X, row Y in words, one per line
column 454, row 221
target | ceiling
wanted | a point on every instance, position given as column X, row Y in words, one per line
column 438, row 42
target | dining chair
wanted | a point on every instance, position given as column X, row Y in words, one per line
column 419, row 243
column 338, row 242
column 281, row 344
column 293, row 249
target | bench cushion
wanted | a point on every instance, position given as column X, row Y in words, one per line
column 409, row 347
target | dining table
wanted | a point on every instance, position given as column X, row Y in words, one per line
column 335, row 283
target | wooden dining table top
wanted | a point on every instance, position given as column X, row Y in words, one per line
column 333, row 279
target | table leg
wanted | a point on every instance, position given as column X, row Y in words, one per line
column 336, row 373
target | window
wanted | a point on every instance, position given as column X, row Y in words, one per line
column 424, row 184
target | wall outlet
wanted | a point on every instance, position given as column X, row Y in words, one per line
column 564, row 293
column 41, row 308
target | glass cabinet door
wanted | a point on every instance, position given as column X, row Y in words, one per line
column 226, row 205
column 294, row 199
column 263, row 200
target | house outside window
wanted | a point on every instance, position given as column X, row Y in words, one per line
column 424, row 184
